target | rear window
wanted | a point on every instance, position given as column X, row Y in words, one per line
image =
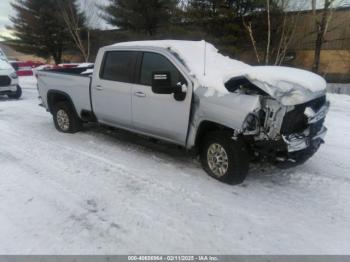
column 119, row 66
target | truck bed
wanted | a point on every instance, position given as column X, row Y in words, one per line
column 75, row 85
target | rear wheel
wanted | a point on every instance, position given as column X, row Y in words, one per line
column 225, row 159
column 65, row 118
column 17, row 94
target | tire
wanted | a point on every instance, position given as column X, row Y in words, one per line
column 17, row 94
column 236, row 170
column 66, row 119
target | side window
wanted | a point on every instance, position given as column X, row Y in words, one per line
column 119, row 66
column 153, row 62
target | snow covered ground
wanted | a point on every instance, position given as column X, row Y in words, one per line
column 110, row 192
column 27, row 82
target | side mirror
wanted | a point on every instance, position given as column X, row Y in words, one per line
column 161, row 83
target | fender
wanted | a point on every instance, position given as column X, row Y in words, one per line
column 53, row 92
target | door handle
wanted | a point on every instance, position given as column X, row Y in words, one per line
column 140, row 94
column 99, row 88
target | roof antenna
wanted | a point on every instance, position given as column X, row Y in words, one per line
column 205, row 58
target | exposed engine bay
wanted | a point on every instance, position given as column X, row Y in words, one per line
column 279, row 132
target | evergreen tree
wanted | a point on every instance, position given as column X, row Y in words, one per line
column 39, row 28
column 222, row 21
column 139, row 15
column 219, row 20
column 76, row 24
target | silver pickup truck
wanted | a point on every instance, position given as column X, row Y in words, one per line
column 187, row 93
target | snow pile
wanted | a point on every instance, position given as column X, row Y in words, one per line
column 28, row 82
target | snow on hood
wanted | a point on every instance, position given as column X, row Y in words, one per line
column 288, row 85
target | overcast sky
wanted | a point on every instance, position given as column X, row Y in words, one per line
column 6, row 11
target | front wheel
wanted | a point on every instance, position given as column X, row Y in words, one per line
column 225, row 159
column 17, row 94
column 65, row 118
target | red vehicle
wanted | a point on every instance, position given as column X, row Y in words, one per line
column 25, row 68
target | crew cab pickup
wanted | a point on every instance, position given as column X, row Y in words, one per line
column 187, row 93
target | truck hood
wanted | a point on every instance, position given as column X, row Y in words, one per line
column 287, row 85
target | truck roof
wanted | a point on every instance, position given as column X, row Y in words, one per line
column 211, row 68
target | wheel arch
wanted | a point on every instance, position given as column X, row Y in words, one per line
column 56, row 96
column 207, row 126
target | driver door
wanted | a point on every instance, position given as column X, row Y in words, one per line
column 160, row 115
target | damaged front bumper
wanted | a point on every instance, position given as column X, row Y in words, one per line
column 286, row 134
column 298, row 142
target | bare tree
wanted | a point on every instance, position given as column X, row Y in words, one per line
column 284, row 33
column 322, row 23
column 267, row 55
column 75, row 23
column 249, row 28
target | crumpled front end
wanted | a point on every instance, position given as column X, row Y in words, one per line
column 289, row 123
column 286, row 133
column 313, row 119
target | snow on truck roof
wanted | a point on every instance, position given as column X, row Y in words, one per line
column 211, row 68
column 288, row 85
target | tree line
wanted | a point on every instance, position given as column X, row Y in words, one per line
column 266, row 28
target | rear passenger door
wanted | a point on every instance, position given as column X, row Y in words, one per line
column 161, row 115
column 112, row 88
